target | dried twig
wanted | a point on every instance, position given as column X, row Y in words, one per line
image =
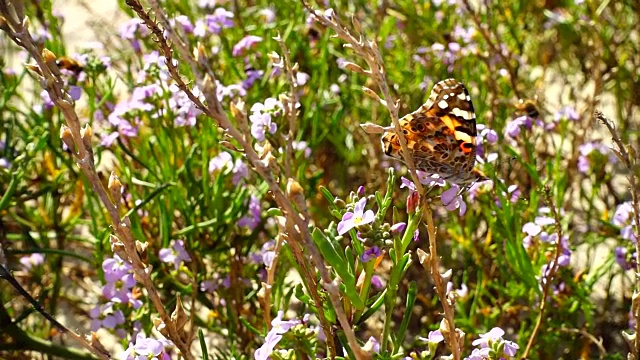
column 15, row 24
column 431, row 262
column 368, row 50
column 629, row 157
column 263, row 164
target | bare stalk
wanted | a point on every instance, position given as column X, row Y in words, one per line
column 431, row 262
column 290, row 112
column 629, row 157
column 370, row 53
column 16, row 24
column 264, row 165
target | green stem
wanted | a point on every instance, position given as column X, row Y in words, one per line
column 366, row 286
column 399, row 248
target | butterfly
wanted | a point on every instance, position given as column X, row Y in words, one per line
column 440, row 135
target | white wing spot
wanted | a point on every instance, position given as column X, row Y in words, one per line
column 463, row 97
column 443, row 104
column 462, row 113
column 445, row 97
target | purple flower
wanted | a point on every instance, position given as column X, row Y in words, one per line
column 133, row 30
column 115, row 268
column 370, row 254
column 356, row 218
column 566, row 112
column 261, row 117
column 245, row 44
column 452, row 200
column 372, row 345
column 75, row 92
column 514, row 126
column 261, row 124
column 48, row 103
column 377, row 282
column 623, row 218
column 184, row 21
column 531, row 229
column 492, row 342
column 302, row 78
column 224, row 162
column 35, row 259
column 220, row 162
column 220, row 19
column 621, row 257
column 105, row 316
column 486, row 339
column 268, row 15
column 266, row 254
column 120, row 290
column 586, row 149
column 274, row 336
column 510, row 348
column 462, row 292
column 270, row 105
column 435, row 337
column 398, row 228
column 404, row 182
column 252, row 219
column 622, row 214
column 147, row 348
column 175, row 254
column 185, row 111
column 252, row 77
column 302, row 146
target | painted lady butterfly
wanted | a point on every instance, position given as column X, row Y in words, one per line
column 440, row 135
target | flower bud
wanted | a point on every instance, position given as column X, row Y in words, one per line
column 413, row 201
column 67, row 137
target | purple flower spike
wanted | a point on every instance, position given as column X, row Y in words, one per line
column 356, row 218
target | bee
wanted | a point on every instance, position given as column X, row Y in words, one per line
column 69, row 64
column 528, row 107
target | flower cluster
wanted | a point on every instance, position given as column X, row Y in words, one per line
column 492, row 346
column 542, row 229
column 121, row 296
column 451, row 198
column 224, row 162
column 262, row 118
column 278, row 328
column 625, row 255
column 594, row 153
column 147, row 348
column 30, row 261
column 252, row 219
column 214, row 23
column 175, row 253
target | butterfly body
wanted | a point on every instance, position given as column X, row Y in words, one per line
column 440, row 135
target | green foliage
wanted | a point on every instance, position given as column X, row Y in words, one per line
column 536, row 70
